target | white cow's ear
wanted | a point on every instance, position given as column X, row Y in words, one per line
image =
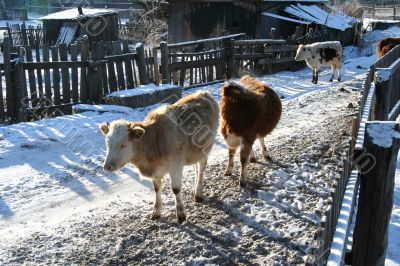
column 136, row 132
column 105, row 127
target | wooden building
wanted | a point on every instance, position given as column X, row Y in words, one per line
column 198, row 19
column 65, row 26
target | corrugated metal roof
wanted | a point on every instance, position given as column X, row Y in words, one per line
column 72, row 14
column 315, row 14
column 285, row 18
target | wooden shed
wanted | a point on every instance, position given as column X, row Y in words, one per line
column 199, row 19
column 98, row 24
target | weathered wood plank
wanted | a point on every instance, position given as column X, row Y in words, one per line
column 32, row 78
column 7, row 74
column 84, row 87
column 56, row 76
column 39, row 75
column 120, row 70
column 375, row 202
column 47, row 80
column 128, row 66
column 74, row 73
column 141, row 63
column 2, row 111
column 66, row 86
column 112, row 79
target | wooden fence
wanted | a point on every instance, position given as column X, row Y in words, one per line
column 212, row 60
column 380, row 101
column 40, row 81
column 22, row 35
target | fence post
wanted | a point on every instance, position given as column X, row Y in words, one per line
column 382, row 87
column 20, row 103
column 24, row 35
column 141, row 63
column 382, row 141
column 229, row 60
column 156, row 70
column 8, row 76
column 272, row 33
column 84, row 86
column 164, row 63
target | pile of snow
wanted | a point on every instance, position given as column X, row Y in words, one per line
column 141, row 90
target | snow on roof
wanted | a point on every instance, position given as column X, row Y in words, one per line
column 315, row 14
column 305, row 1
column 284, row 18
column 73, row 13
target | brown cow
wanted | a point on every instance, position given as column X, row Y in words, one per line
column 249, row 110
column 385, row 45
column 169, row 138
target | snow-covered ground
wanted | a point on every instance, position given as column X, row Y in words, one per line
column 57, row 206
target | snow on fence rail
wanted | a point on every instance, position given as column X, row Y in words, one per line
column 375, row 164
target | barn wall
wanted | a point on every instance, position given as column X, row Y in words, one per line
column 190, row 21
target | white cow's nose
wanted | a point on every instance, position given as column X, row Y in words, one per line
column 109, row 167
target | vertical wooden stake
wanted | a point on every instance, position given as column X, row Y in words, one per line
column 141, row 63
column 164, row 63
column 382, row 141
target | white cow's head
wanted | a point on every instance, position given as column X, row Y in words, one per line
column 302, row 53
column 121, row 140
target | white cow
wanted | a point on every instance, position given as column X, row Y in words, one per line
column 321, row 54
column 169, row 138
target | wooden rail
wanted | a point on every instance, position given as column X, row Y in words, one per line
column 380, row 101
column 48, row 80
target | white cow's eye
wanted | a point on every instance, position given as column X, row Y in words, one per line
column 123, row 146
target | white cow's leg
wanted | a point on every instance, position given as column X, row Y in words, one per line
column 313, row 75
column 231, row 155
column 198, row 190
column 245, row 151
column 265, row 152
column 176, row 186
column 316, row 75
column 333, row 68
column 157, row 184
column 339, row 68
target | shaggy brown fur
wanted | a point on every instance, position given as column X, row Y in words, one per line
column 249, row 110
column 385, row 45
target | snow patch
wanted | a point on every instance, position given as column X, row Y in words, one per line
column 382, row 133
column 143, row 89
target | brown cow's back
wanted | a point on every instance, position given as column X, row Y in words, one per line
column 385, row 45
column 252, row 114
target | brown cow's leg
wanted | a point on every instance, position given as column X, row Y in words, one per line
column 157, row 184
column 176, row 186
column 231, row 155
column 198, row 190
column 244, row 160
column 252, row 156
column 265, row 152
column 339, row 69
